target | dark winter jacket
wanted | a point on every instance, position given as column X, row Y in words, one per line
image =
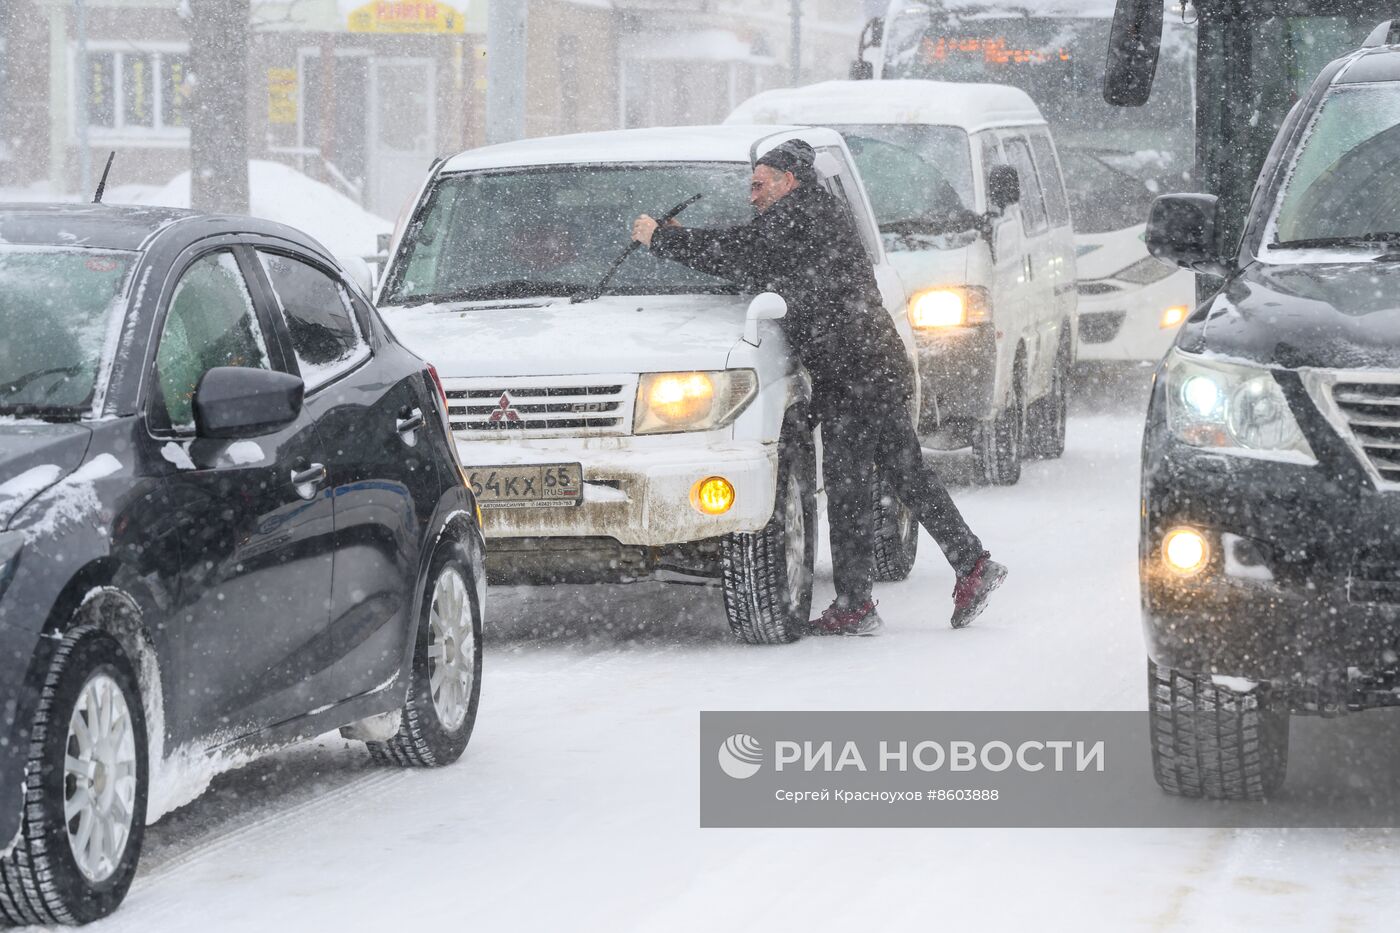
column 806, row 248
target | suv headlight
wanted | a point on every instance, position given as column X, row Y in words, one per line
column 671, row 402
column 1231, row 407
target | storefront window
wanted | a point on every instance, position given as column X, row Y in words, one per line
column 131, row 92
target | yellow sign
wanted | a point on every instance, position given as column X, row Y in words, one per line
column 281, row 95
column 413, row 17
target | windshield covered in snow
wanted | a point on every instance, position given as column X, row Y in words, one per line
column 1341, row 187
column 919, row 178
column 55, row 310
column 555, row 231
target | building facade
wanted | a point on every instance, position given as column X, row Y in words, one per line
column 365, row 94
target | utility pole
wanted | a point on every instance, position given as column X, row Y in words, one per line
column 796, row 42
column 84, row 75
column 506, row 34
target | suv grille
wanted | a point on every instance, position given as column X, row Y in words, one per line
column 1371, row 411
column 541, row 405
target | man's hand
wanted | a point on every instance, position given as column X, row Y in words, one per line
column 645, row 226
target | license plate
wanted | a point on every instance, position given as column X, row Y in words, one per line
column 545, row 485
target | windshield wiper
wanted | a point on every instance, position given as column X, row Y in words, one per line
column 597, row 291
column 1359, row 239
column 41, row 412
column 509, row 288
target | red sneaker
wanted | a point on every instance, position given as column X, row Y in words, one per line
column 862, row 620
column 971, row 591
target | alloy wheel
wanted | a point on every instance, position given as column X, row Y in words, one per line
column 99, row 778
column 451, row 649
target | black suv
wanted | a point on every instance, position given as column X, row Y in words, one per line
column 231, row 517
column 1270, row 560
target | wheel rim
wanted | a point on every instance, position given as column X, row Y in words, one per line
column 904, row 521
column 99, row 778
column 451, row 649
column 795, row 531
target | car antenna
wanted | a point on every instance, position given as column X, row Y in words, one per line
column 102, row 182
column 597, row 290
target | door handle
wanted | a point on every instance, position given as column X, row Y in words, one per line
column 308, row 479
column 411, row 421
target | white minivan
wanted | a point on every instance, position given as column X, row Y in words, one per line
column 967, row 191
column 656, row 428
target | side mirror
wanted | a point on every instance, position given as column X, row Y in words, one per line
column 238, row 401
column 1134, row 42
column 862, row 70
column 1003, row 187
column 768, row 306
column 1184, row 229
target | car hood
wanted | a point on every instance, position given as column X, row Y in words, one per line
column 34, row 456
column 1100, row 255
column 1333, row 315
column 930, row 268
column 608, row 335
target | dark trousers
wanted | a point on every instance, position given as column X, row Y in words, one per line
column 881, row 441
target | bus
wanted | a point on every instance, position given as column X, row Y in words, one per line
column 1115, row 159
column 1253, row 60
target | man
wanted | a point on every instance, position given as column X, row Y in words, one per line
column 803, row 245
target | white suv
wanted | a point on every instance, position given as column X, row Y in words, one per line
column 658, row 430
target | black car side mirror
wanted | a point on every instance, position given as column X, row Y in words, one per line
column 238, row 401
column 1184, row 229
column 1003, row 187
column 1134, row 43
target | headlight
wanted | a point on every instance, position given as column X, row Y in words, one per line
column 948, row 307
column 670, row 402
column 1232, row 408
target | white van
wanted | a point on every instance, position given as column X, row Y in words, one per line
column 657, row 430
column 972, row 210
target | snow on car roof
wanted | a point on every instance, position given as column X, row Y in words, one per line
column 934, row 103
column 656, row 144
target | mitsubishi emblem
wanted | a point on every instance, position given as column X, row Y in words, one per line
column 503, row 412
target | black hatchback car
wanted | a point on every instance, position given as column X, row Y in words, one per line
column 1270, row 540
column 231, row 517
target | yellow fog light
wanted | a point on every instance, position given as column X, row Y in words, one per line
column 1185, row 550
column 1173, row 316
column 713, row 495
column 940, row 307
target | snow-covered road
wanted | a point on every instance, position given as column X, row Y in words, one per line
column 576, row 806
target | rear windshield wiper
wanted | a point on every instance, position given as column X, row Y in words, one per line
column 510, row 288
column 1361, row 239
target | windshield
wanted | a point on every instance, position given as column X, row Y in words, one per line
column 56, row 307
column 918, row 177
column 1341, row 186
column 555, row 231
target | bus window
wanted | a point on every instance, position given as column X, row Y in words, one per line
column 1032, row 200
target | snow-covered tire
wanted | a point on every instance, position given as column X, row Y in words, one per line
column 767, row 575
column 996, row 443
column 896, row 536
column 45, row 879
column 1045, row 421
column 1211, row 741
column 446, row 686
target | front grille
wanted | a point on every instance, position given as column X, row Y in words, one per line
column 1374, row 578
column 1100, row 326
column 1097, row 288
column 541, row 405
column 1371, row 412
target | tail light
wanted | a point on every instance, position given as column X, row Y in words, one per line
column 442, row 398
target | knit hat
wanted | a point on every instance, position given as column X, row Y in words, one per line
column 794, row 156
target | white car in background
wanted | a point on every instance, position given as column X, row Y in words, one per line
column 658, row 430
column 973, row 213
column 1130, row 305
